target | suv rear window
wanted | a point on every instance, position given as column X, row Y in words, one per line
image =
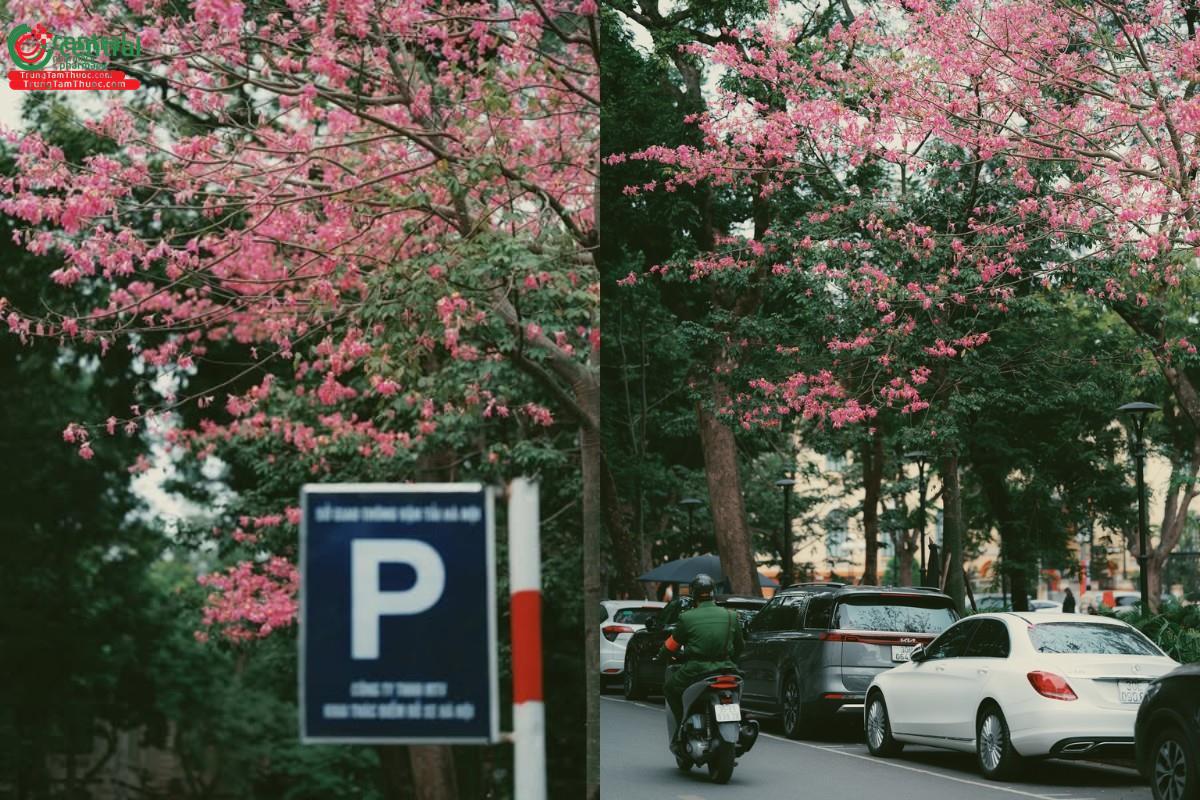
column 1090, row 637
column 635, row 616
column 899, row 613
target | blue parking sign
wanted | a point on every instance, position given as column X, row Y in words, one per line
column 398, row 614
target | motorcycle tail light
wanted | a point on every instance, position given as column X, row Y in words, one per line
column 1048, row 684
column 611, row 632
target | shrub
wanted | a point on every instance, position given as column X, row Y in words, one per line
column 1175, row 628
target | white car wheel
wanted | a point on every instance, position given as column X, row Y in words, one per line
column 879, row 729
column 993, row 745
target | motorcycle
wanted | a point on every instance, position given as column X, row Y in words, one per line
column 712, row 731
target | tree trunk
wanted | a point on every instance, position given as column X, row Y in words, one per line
column 734, row 543
column 434, row 777
column 1154, row 576
column 872, row 467
column 397, row 773
column 624, row 548
column 588, row 395
column 1018, row 584
column 952, row 531
column 905, row 553
column 1178, row 501
column 1012, row 537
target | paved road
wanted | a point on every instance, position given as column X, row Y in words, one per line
column 636, row 765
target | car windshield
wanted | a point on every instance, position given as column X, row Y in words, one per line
column 899, row 613
column 1090, row 637
column 635, row 616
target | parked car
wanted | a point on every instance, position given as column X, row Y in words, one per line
column 999, row 602
column 1167, row 735
column 1016, row 685
column 812, row 651
column 622, row 619
column 644, row 677
column 1121, row 603
column 1126, row 602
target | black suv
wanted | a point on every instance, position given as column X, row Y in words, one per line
column 815, row 647
column 1167, row 734
column 642, row 675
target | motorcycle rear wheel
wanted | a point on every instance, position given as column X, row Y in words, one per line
column 684, row 763
column 720, row 764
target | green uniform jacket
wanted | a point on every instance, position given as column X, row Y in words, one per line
column 712, row 635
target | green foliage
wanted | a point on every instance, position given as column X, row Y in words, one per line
column 1175, row 628
column 231, row 712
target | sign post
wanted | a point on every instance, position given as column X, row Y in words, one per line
column 525, row 579
column 398, row 614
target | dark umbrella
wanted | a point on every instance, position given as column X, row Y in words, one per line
column 684, row 569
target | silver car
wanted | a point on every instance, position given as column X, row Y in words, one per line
column 813, row 650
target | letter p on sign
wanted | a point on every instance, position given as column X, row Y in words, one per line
column 370, row 603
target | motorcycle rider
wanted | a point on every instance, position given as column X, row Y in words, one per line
column 713, row 636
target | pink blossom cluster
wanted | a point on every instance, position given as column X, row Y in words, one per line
column 251, row 599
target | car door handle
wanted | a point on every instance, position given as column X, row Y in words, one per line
column 939, row 668
column 982, row 671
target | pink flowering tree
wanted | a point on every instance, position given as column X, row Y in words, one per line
column 350, row 241
column 858, row 297
column 916, row 168
column 1108, row 89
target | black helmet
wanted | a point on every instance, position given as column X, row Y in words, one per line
column 702, row 587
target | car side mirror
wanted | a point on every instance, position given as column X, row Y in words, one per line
column 918, row 654
column 652, row 623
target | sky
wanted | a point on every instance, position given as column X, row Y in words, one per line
column 10, row 107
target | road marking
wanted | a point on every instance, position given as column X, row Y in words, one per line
column 883, row 763
column 931, row 773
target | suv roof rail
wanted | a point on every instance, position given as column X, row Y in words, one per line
column 861, row 588
column 815, row 584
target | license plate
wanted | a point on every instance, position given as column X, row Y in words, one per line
column 901, row 652
column 1131, row 691
column 729, row 713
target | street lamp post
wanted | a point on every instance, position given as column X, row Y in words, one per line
column 785, row 572
column 920, row 456
column 1137, row 414
column 690, row 504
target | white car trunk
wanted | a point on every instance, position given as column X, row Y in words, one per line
column 1108, row 681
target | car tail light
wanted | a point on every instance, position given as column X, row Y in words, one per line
column 611, row 632
column 1047, row 684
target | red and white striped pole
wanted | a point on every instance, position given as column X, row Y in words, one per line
column 525, row 583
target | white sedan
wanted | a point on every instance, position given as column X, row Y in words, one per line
column 1013, row 685
column 622, row 618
